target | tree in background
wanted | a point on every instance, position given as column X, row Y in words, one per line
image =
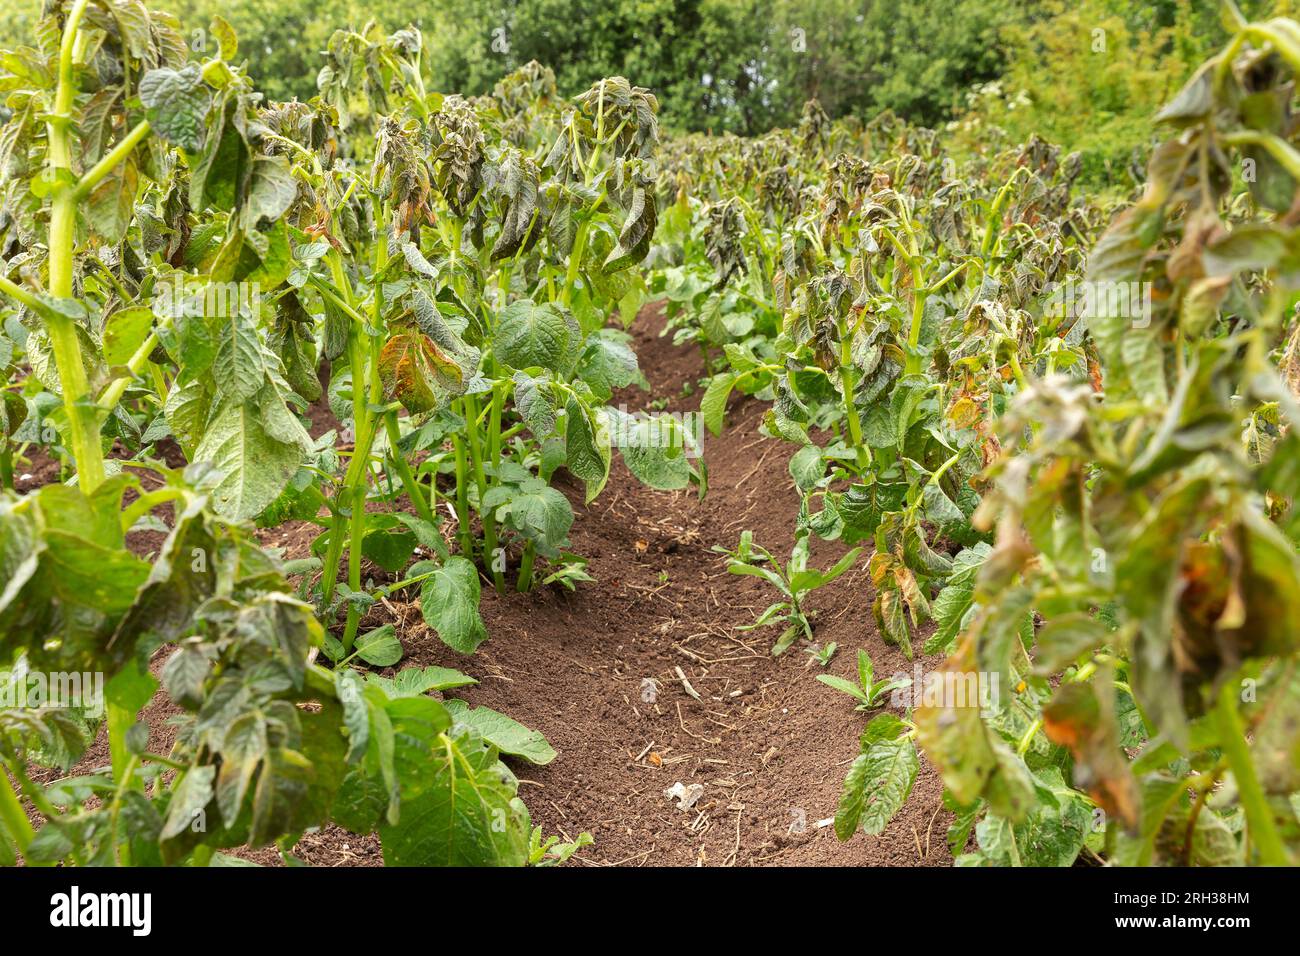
column 1090, row 75
column 740, row 66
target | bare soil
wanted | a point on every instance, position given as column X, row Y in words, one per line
column 602, row 672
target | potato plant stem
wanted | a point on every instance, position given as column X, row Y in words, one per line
column 476, row 453
column 120, row 720
column 464, row 532
column 525, row 580
column 494, row 456
column 83, row 420
column 850, row 403
column 919, row 296
column 110, row 161
column 575, row 263
column 403, row 468
column 356, row 535
column 1259, row 816
column 82, row 413
column 367, row 393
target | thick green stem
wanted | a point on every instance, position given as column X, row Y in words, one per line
column 110, row 161
column 354, row 477
column 919, row 296
column 476, row 454
column 525, row 581
column 83, row 419
column 356, row 534
column 494, row 456
column 82, row 414
column 1259, row 816
column 575, row 263
column 403, row 469
column 363, row 435
column 115, row 813
column 462, row 497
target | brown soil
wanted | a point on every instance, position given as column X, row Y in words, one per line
column 769, row 744
column 39, row 469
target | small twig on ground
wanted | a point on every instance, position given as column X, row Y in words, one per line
column 686, row 685
column 732, row 857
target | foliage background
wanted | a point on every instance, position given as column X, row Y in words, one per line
column 998, row 70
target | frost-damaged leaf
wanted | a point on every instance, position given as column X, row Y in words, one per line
column 110, row 204
column 238, row 367
column 637, row 232
column 188, row 800
column 424, row 313
column 227, row 42
column 1193, row 102
column 177, row 103
column 1276, row 745
column 1077, row 719
column 415, row 372
column 951, row 607
column 1052, row 834
column 449, row 601
column 516, row 179
column 973, row 761
column 176, row 587
column 1147, row 579
column 1064, row 638
column 183, row 676
column 508, row 736
column 242, row 749
column 271, row 191
column 96, row 124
